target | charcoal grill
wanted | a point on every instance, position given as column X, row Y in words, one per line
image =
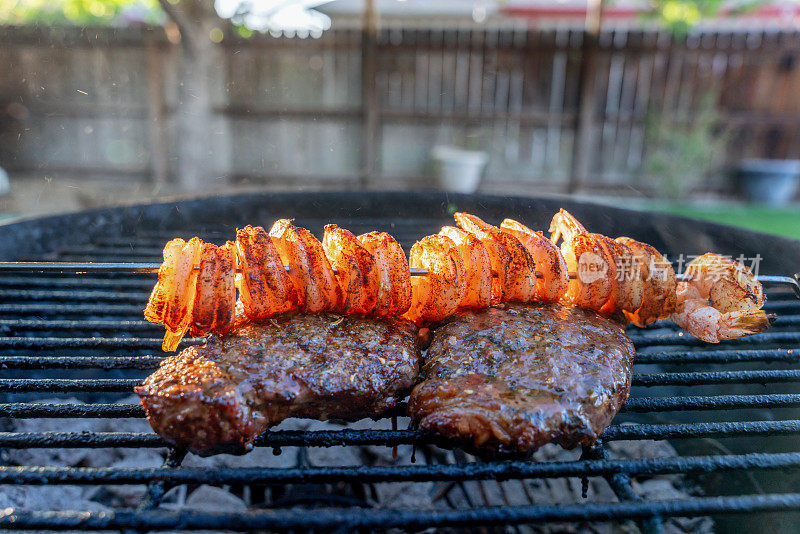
column 83, row 335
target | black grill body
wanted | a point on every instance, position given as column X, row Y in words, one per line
column 730, row 410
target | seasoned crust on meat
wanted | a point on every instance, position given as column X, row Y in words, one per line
column 507, row 380
column 220, row 396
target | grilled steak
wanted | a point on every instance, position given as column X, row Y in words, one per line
column 507, row 380
column 218, row 397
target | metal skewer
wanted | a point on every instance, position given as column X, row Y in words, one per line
column 90, row 267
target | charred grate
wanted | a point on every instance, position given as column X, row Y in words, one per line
column 83, row 336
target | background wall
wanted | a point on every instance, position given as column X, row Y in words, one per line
column 96, row 108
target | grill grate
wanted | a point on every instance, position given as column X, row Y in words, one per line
column 83, row 335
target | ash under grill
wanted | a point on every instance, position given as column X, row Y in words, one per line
column 732, row 411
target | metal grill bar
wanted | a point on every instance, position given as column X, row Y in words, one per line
column 100, row 326
column 155, row 343
column 35, row 409
column 139, row 298
column 144, row 326
column 127, row 310
column 411, row 473
column 83, row 343
column 780, row 306
column 352, row 518
column 716, row 402
column 767, row 338
column 139, row 250
column 81, row 282
column 701, row 430
column 389, row 438
column 117, row 385
column 645, row 380
column 635, row 405
column 139, row 326
column 80, row 362
column 780, row 320
column 111, row 257
column 138, row 291
column 151, row 362
column 135, row 311
column 720, row 356
column 716, row 377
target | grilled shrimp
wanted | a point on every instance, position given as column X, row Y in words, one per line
column 550, row 264
column 438, row 294
column 394, row 291
column 215, row 295
column 355, row 269
column 309, row 268
column 722, row 300
column 659, row 283
column 172, row 299
column 515, row 268
column 626, row 277
column 265, row 288
column 477, row 267
column 592, row 285
column 154, row 311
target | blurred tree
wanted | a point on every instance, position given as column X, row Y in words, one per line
column 81, row 12
column 201, row 26
column 201, row 29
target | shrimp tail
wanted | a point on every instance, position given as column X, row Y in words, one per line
column 744, row 323
column 720, row 301
column 709, row 325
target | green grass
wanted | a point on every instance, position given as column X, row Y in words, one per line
column 780, row 221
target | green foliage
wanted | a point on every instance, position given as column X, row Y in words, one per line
column 681, row 15
column 81, row 12
column 682, row 154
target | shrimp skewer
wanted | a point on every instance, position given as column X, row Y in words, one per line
column 474, row 266
column 265, row 288
column 477, row 267
column 515, row 268
column 310, row 270
column 437, row 295
column 626, row 277
column 592, row 285
column 355, row 269
column 394, row 279
column 659, row 283
column 551, row 269
column 173, row 297
column 722, row 300
column 608, row 278
column 215, row 294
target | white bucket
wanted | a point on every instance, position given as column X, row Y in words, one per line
column 458, row 170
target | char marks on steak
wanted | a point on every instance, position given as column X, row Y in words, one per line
column 220, row 396
column 507, row 380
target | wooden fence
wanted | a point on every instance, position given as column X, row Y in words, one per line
column 102, row 103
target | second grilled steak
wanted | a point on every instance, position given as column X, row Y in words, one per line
column 507, row 380
column 220, row 396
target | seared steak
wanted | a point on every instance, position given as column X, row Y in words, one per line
column 507, row 380
column 220, row 396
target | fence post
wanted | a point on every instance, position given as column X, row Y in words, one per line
column 583, row 142
column 369, row 97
